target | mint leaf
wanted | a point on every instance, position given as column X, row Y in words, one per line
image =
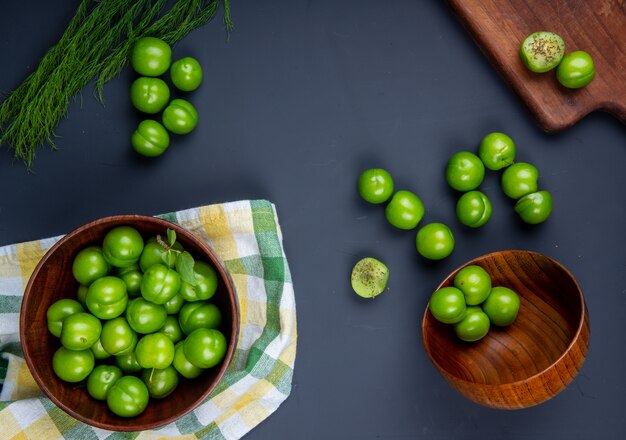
column 184, row 266
column 168, row 258
column 171, row 237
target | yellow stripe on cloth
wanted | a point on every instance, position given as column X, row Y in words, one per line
column 217, row 230
column 43, row 428
column 26, row 387
column 20, row 378
column 254, row 412
column 9, row 428
column 29, row 254
column 288, row 356
column 240, row 281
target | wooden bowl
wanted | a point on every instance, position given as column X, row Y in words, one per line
column 529, row 361
column 53, row 280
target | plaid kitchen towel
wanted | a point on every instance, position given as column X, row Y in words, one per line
column 246, row 236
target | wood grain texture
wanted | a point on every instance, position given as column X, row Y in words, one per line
column 529, row 361
column 595, row 26
column 52, row 280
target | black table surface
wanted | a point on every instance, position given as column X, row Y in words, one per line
column 301, row 98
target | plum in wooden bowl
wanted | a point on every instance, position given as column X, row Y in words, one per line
column 529, row 361
column 53, row 280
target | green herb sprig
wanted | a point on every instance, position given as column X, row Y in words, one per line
column 184, row 262
column 95, row 45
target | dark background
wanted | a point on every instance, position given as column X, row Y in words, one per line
column 302, row 98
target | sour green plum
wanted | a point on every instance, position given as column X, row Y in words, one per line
column 534, row 208
column 434, row 241
column 474, row 282
column 80, row 331
column 160, row 383
column 502, row 306
column 89, row 265
column 447, row 305
column 206, row 283
column 107, row 297
column 465, row 171
column 128, row 397
column 497, row 151
column 576, row 70
column 101, row 379
column 72, row 365
column 474, row 325
column 60, row 310
column 519, row 179
column 473, row 209
column 405, row 210
column 375, row 185
column 122, row 246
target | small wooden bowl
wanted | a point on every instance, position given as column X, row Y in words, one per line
column 529, row 361
column 53, row 280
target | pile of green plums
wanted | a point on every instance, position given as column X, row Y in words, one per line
column 405, row 210
column 465, row 172
column 472, row 305
column 135, row 325
column 543, row 51
column 151, row 57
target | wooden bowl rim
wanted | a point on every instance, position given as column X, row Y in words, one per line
column 230, row 287
column 575, row 337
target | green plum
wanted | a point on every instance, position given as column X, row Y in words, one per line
column 80, row 331
column 473, row 209
column 375, row 185
column 465, row 171
column 474, row 282
column 155, row 350
column 474, row 325
column 534, row 208
column 502, row 306
column 60, row 310
column 89, row 265
column 101, row 379
column 497, row 151
column 160, row 383
column 369, row 277
column 405, row 210
column 128, row 397
column 182, row 364
column 434, row 241
column 542, row 51
column 206, row 283
column 576, row 70
column 447, row 305
column 72, row 365
column 519, row 179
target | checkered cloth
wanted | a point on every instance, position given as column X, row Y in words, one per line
column 246, row 236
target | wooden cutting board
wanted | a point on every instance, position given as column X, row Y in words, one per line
column 595, row 26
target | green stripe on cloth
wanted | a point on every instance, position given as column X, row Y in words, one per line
column 13, row 348
column 263, row 219
column 4, row 363
column 264, row 359
column 210, row 432
column 11, row 304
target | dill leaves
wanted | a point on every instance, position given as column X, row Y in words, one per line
column 95, row 45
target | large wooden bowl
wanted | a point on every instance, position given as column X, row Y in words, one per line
column 534, row 358
column 53, row 280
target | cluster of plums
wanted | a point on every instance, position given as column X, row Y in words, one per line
column 472, row 305
column 466, row 171
column 136, row 324
column 151, row 58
